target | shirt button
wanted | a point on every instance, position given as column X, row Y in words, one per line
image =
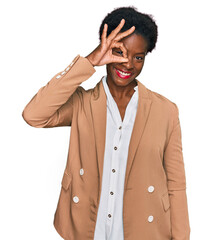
column 120, row 127
column 81, row 171
column 75, row 199
column 58, row 76
column 67, row 69
column 150, row 218
column 111, row 193
column 115, row 148
column 109, row 215
column 63, row 73
column 151, row 188
column 113, row 170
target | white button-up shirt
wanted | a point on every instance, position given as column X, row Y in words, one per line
column 109, row 224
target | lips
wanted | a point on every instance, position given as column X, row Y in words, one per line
column 123, row 74
column 123, row 70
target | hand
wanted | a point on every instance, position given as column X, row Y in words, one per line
column 103, row 53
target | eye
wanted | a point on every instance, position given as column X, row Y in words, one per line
column 141, row 58
column 120, row 52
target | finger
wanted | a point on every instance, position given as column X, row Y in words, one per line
column 116, row 30
column 104, row 34
column 119, row 59
column 124, row 34
column 121, row 46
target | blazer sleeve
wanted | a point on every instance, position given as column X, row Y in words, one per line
column 52, row 105
column 176, row 180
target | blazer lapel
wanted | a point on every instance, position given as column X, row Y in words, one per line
column 99, row 114
column 143, row 110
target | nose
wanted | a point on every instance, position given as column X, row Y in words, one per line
column 128, row 65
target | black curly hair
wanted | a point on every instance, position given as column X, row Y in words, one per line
column 144, row 24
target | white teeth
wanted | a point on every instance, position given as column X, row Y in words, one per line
column 122, row 73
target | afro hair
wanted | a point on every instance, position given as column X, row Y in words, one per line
column 144, row 24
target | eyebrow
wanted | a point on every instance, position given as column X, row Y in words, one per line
column 141, row 53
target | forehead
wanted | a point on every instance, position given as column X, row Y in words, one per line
column 135, row 43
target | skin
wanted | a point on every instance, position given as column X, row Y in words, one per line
column 125, row 51
column 123, row 89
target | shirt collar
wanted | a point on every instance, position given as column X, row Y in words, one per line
column 109, row 95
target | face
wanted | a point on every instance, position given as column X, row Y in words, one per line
column 136, row 47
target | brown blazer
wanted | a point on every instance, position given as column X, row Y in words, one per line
column 155, row 182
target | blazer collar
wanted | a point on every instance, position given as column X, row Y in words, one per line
column 99, row 111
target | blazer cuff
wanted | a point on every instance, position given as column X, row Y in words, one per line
column 87, row 66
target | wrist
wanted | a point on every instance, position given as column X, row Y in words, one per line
column 89, row 59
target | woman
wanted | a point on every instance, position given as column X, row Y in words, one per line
column 124, row 177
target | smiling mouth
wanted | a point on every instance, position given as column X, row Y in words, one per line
column 122, row 75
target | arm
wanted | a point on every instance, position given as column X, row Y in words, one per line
column 174, row 167
column 52, row 105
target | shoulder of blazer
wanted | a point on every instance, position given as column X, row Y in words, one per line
column 85, row 95
column 81, row 95
column 166, row 106
column 161, row 99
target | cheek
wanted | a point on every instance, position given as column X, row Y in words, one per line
column 109, row 68
column 139, row 67
column 138, row 70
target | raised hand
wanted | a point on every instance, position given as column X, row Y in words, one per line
column 103, row 53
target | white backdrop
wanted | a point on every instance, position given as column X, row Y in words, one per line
column 38, row 40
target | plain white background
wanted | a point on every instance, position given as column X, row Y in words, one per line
column 38, row 40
